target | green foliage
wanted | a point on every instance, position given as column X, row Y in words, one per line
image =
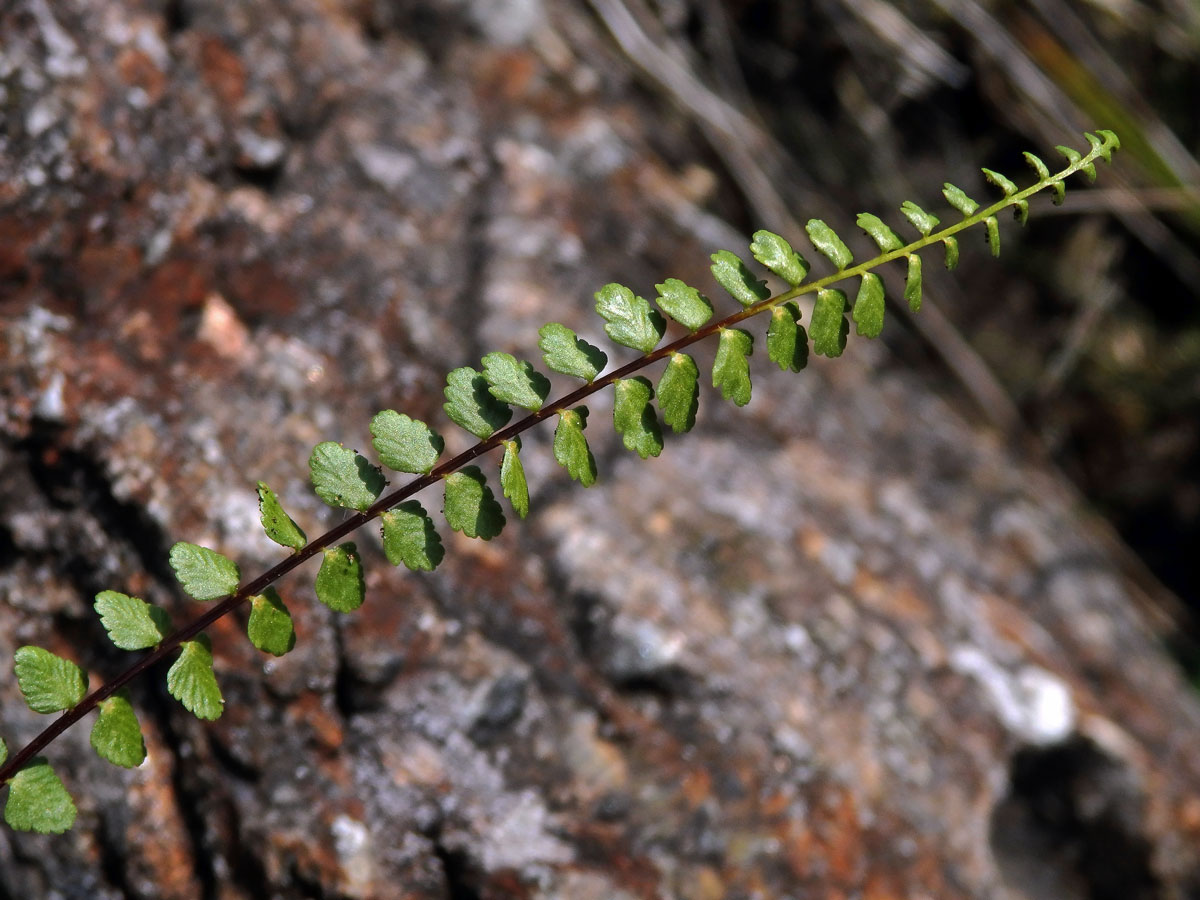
column 131, row 622
column 1043, row 172
column 951, row 252
column 731, row 273
column 191, row 680
column 868, row 306
column 684, row 304
column 993, row 234
column 344, row 479
column 571, row 448
column 278, row 525
column 512, row 479
column 511, row 380
column 628, row 318
column 912, row 283
column 634, row 418
column 777, row 255
column 959, row 200
column 204, row 574
column 340, row 584
column 1038, row 166
column 410, row 538
column 922, row 221
column 48, row 682
column 470, row 404
column 116, row 736
column 829, row 326
column 831, row 246
column 567, row 354
column 37, row 800
column 1073, row 157
column 679, row 392
column 470, row 506
column 270, row 626
column 731, row 368
column 404, row 444
column 886, row 239
column 1102, row 146
column 1020, row 207
column 480, row 403
column 1000, row 181
column 787, row 341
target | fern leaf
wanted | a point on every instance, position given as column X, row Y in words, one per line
column 883, row 236
column 951, row 252
column 340, row 584
column 634, row 417
column 3, row 751
column 567, row 354
column 279, row 526
column 204, row 574
column 512, row 479
column 131, row 622
column 410, row 538
column 515, row 381
column 1105, row 144
column 957, row 198
column 470, row 506
column 1020, row 207
column 831, row 246
column 684, row 304
column 629, row 319
column 343, row 478
column 48, row 682
column 829, row 326
column 922, row 221
column 38, row 801
column 270, row 627
column 993, row 234
column 738, row 281
column 1000, row 181
column 679, row 392
column 470, row 404
column 869, row 305
column 117, row 736
column 404, row 444
column 1073, row 157
column 1043, row 171
column 787, row 341
column 912, row 283
column 777, row 255
column 191, row 680
column 571, row 447
column 731, row 368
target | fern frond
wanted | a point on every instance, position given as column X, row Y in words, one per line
column 481, row 403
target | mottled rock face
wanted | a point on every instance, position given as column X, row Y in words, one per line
column 838, row 644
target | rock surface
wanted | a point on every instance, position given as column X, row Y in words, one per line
column 838, row 644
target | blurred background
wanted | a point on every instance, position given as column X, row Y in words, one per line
column 1085, row 345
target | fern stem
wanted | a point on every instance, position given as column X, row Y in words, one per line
column 23, row 756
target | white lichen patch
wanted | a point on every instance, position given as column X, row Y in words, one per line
column 1032, row 703
column 352, row 843
column 521, row 836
